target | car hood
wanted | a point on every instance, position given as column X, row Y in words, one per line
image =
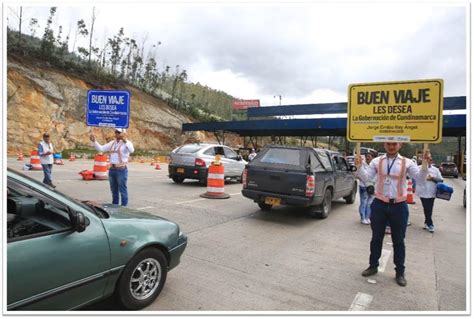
column 120, row 212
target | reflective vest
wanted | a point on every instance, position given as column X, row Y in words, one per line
column 399, row 181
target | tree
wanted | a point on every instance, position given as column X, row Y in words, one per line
column 115, row 45
column 81, row 30
column 33, row 26
column 90, row 38
column 19, row 27
column 47, row 43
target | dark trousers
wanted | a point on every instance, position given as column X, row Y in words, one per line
column 428, row 210
column 47, row 170
column 397, row 216
column 118, row 184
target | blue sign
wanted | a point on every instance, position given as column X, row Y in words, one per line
column 106, row 108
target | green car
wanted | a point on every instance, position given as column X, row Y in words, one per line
column 64, row 254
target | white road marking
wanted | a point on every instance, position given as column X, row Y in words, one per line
column 361, row 302
column 141, row 208
column 191, row 201
column 384, row 259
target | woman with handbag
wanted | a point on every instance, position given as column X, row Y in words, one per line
column 426, row 190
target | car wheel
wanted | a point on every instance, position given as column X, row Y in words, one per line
column 178, row 179
column 352, row 196
column 325, row 207
column 456, row 176
column 142, row 279
column 264, row 206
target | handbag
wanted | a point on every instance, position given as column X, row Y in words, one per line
column 444, row 191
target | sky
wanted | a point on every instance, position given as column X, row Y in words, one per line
column 307, row 53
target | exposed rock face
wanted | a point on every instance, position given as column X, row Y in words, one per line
column 47, row 100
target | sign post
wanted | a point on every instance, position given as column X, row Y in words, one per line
column 405, row 111
column 107, row 108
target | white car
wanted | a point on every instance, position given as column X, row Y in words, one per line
column 191, row 161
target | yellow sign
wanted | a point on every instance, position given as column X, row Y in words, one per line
column 406, row 111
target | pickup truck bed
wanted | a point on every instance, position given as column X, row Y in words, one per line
column 299, row 176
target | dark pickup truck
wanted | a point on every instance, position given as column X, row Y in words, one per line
column 299, row 176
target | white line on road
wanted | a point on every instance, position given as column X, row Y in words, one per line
column 200, row 199
column 140, row 208
column 384, row 259
column 361, row 302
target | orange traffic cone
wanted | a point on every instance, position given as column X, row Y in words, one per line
column 20, row 156
column 215, row 181
column 72, row 157
column 410, row 199
column 158, row 167
column 100, row 167
column 35, row 161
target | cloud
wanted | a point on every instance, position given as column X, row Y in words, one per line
column 301, row 51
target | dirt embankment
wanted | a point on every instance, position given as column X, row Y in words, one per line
column 42, row 99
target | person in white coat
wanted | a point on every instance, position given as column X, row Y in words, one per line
column 120, row 149
column 426, row 190
column 45, row 152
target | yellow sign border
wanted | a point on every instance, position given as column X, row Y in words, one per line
column 440, row 108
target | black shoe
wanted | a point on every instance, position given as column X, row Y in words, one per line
column 400, row 278
column 52, row 185
column 370, row 271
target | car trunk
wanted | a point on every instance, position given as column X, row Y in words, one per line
column 183, row 159
column 277, row 173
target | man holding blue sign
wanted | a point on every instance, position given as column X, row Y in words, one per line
column 120, row 149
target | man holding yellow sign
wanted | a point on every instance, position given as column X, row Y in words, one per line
column 393, row 112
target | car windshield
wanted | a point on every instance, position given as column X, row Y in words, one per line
column 33, row 183
column 189, row 149
column 281, row 156
column 449, row 165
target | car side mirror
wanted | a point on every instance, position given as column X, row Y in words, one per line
column 353, row 168
column 239, row 157
column 80, row 222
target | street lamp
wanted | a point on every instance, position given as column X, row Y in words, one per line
column 278, row 96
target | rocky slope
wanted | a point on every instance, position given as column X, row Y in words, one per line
column 42, row 99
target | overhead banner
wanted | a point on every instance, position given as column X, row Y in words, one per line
column 405, row 111
column 107, row 108
column 245, row 104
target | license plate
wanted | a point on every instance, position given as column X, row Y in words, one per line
column 272, row 201
column 180, row 170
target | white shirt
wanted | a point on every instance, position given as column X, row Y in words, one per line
column 113, row 147
column 370, row 173
column 426, row 188
column 367, row 183
column 44, row 147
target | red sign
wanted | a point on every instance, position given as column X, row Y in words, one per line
column 245, row 104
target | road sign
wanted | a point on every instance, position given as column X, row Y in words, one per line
column 245, row 104
column 107, row 108
column 406, row 111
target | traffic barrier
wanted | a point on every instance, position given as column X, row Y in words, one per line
column 100, row 167
column 35, row 161
column 215, row 181
column 20, row 156
column 158, row 167
column 87, row 175
column 410, row 199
